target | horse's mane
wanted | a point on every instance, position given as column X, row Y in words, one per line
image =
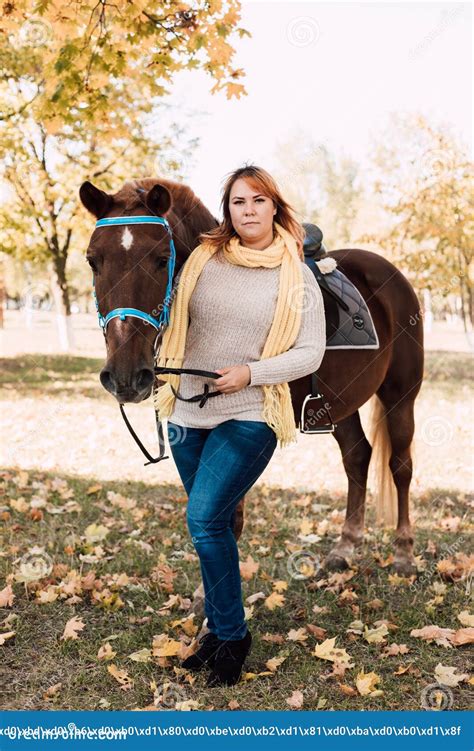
column 185, row 205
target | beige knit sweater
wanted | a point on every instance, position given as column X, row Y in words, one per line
column 230, row 313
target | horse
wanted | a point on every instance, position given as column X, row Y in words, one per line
column 129, row 269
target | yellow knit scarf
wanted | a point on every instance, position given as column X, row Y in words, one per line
column 277, row 410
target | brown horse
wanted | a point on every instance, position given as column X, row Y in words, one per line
column 130, row 271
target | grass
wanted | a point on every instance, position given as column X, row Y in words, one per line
column 153, row 533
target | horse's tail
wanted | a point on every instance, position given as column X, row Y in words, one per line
column 380, row 474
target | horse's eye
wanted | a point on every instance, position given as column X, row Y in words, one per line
column 161, row 262
column 92, row 264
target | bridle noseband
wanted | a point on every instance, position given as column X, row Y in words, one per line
column 158, row 323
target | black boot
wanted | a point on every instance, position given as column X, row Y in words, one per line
column 205, row 655
column 229, row 660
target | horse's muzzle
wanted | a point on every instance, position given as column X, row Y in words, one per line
column 134, row 388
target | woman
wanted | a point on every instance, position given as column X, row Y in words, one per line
column 248, row 308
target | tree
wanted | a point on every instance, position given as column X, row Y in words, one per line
column 43, row 220
column 83, row 61
column 80, row 86
column 322, row 188
column 422, row 176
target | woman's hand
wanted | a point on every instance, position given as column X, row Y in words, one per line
column 233, row 379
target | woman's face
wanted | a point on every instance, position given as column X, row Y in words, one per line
column 251, row 214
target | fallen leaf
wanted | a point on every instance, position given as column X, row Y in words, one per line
column 466, row 618
column 297, row 634
column 366, row 683
column 106, row 652
column 248, row 568
column 143, row 655
column 274, row 600
column 395, row 649
column 274, row 663
column 73, row 626
column 273, row 638
column 434, row 633
column 7, row 597
column 347, row 690
column 328, row 651
column 295, row 701
column 121, row 676
column 376, row 635
column 447, row 677
column 187, row 706
column 317, row 631
column 463, row 636
column 5, row 636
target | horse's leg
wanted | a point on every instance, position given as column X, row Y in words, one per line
column 401, row 428
column 356, row 452
column 197, row 605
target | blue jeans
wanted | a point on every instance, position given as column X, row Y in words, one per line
column 217, row 467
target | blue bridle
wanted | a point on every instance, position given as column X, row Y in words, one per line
column 123, row 313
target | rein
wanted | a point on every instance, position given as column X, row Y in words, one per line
column 158, row 323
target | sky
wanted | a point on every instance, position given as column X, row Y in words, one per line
column 332, row 70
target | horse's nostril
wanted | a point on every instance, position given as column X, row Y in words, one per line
column 145, row 379
column 107, row 380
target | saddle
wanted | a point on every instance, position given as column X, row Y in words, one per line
column 349, row 324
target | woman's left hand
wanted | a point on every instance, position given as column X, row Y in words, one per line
column 233, row 379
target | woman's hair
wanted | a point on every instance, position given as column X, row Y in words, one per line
column 262, row 181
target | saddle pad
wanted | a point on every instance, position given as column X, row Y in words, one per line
column 355, row 328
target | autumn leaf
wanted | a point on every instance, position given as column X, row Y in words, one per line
column 447, row 676
column 73, row 626
column 6, row 635
column 106, row 652
column 376, row 635
column 466, row 618
column 7, row 597
column 96, row 533
column 297, row 634
column 434, row 633
column 395, row 649
column 295, row 701
column 248, row 568
column 274, row 663
column 143, row 655
column 274, row 600
column 163, row 646
column 280, row 585
column 121, row 676
column 327, row 650
column 366, row 683
column 463, row 636
column 317, row 631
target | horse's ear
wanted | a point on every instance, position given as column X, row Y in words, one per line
column 95, row 200
column 158, row 200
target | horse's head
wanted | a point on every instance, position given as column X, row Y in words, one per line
column 132, row 268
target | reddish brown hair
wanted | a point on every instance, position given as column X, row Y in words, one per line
column 262, row 181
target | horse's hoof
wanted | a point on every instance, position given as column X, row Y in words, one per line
column 404, row 568
column 335, row 562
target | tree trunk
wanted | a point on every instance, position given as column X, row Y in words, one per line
column 62, row 304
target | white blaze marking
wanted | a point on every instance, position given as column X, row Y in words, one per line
column 127, row 239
